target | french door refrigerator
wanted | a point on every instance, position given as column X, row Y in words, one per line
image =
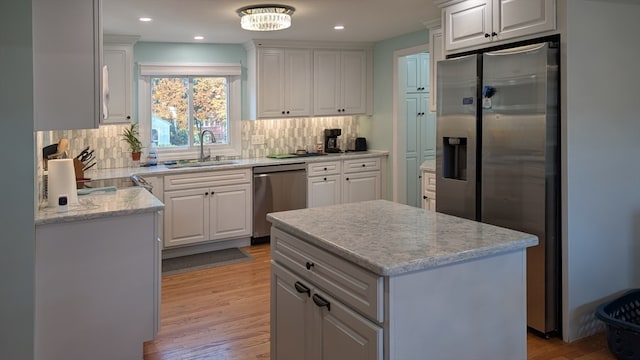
column 497, row 156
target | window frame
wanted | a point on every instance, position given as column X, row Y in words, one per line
column 232, row 72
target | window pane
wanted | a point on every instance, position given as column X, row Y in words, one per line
column 210, row 110
column 170, row 111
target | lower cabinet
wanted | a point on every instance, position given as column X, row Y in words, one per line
column 309, row 324
column 337, row 182
column 196, row 213
column 429, row 189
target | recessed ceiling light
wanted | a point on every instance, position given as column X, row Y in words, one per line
column 145, row 19
column 338, row 27
column 198, row 37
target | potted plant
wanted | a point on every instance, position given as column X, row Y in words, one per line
column 130, row 136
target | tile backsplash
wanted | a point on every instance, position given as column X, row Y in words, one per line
column 280, row 136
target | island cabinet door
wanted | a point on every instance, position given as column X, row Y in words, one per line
column 342, row 334
column 290, row 315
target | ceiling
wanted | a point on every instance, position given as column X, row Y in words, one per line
column 313, row 20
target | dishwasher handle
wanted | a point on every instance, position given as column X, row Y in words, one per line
column 279, row 168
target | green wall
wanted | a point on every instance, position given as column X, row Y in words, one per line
column 379, row 128
column 17, row 242
column 193, row 53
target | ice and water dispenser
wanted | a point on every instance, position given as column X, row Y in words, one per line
column 454, row 158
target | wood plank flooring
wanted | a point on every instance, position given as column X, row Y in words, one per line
column 223, row 313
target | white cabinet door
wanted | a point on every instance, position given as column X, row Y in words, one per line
column 343, row 334
column 298, row 76
column 513, row 18
column 118, row 60
column 361, row 186
column 468, row 23
column 326, row 82
column 67, row 64
column 284, row 78
column 323, row 190
column 271, row 82
column 230, row 211
column 186, row 216
column 353, row 66
column 436, row 53
column 340, row 82
column 291, row 322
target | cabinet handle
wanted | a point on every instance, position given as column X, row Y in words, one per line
column 494, row 34
column 364, row 165
column 128, row 117
column 282, row 112
column 207, row 193
column 425, row 197
column 486, row 35
column 325, row 179
column 325, row 169
column 287, row 112
column 321, row 302
column 347, row 179
column 309, row 265
column 342, row 110
column 302, row 289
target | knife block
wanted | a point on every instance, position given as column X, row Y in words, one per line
column 77, row 167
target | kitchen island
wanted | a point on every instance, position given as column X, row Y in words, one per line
column 381, row 280
column 97, row 276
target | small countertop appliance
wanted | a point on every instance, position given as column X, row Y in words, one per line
column 331, row 140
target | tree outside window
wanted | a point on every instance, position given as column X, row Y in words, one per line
column 181, row 107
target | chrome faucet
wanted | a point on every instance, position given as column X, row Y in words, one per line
column 213, row 140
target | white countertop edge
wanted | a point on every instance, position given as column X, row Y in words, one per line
column 123, row 202
column 405, row 267
column 161, row 170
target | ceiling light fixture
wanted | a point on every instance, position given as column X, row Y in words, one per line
column 198, row 37
column 145, row 19
column 265, row 17
column 338, row 27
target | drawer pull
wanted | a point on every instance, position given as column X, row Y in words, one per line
column 321, row 302
column 308, row 265
column 364, row 165
column 302, row 289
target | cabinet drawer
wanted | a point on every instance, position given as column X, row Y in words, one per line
column 207, row 178
column 351, row 284
column 429, row 179
column 323, row 168
column 351, row 166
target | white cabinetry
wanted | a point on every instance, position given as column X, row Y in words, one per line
column 118, row 58
column 336, row 182
column 361, row 180
column 436, row 53
column 94, row 280
column 307, row 322
column 476, row 22
column 339, row 82
column 429, row 189
column 324, row 184
column 207, row 206
column 284, row 82
column 67, row 64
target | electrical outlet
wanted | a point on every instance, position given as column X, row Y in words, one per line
column 257, row 139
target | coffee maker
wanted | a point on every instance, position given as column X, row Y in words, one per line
column 331, row 140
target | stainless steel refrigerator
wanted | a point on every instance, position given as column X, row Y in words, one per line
column 497, row 156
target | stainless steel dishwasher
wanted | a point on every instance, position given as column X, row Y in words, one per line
column 276, row 188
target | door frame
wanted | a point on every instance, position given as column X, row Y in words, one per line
column 399, row 169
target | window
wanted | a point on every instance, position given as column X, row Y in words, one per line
column 181, row 104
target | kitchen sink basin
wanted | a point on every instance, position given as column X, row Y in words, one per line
column 193, row 163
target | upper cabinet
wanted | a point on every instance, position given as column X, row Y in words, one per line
column 417, row 73
column 436, row 51
column 67, row 64
column 118, row 60
column 477, row 22
column 340, row 82
column 283, row 82
column 302, row 79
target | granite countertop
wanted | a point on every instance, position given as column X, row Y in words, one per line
column 429, row 165
column 389, row 239
column 160, row 170
column 127, row 201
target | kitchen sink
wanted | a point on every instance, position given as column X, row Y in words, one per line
column 195, row 163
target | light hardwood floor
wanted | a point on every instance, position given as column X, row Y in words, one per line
column 223, row 313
